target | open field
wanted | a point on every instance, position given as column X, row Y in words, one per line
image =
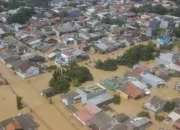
column 53, row 116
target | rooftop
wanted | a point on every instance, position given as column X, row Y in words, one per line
column 93, row 88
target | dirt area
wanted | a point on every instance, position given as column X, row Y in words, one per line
column 53, row 116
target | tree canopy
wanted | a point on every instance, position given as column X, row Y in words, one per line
column 176, row 32
column 143, row 114
column 108, row 20
column 19, row 102
column 14, row 4
column 107, row 65
column 159, row 118
column 38, row 3
column 158, row 9
column 169, row 107
column 136, row 54
column 117, row 99
column 64, row 77
column 23, row 15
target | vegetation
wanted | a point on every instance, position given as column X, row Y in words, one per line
column 73, row 74
column 176, row 12
column 108, row 20
column 107, row 65
column 159, row 118
column 136, row 54
column 158, row 9
column 176, row 32
column 169, row 106
column 14, row 4
column 38, row 3
column 19, row 102
column 117, row 99
column 52, row 67
column 21, row 16
column 167, row 47
column 143, row 114
column 177, row 44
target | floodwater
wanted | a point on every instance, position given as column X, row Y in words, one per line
column 55, row 116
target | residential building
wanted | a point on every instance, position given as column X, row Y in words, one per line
column 152, row 80
column 174, row 115
column 27, row 70
column 70, row 56
column 86, row 113
column 112, row 83
column 167, row 23
column 64, row 28
column 95, row 94
column 20, row 122
column 152, row 27
column 163, row 40
column 47, row 93
column 70, row 98
column 129, row 91
column 170, row 59
column 155, row 105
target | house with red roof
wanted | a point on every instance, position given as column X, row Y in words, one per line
column 86, row 113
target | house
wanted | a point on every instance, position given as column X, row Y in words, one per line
column 106, row 44
column 163, row 40
column 178, row 87
column 5, row 55
column 95, row 94
column 20, row 122
column 86, row 113
column 70, row 56
column 14, row 126
column 174, row 115
column 155, row 105
column 152, row 80
column 177, row 124
column 128, row 41
column 140, row 85
column 129, row 91
column 64, row 28
column 49, row 92
column 139, row 123
column 139, row 68
column 170, row 59
column 152, row 27
column 70, row 98
column 73, row 12
column 167, row 23
column 133, row 123
column 102, row 121
column 112, row 83
column 27, row 70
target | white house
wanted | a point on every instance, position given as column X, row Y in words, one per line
column 27, row 70
column 70, row 56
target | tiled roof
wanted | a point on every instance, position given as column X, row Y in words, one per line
column 24, row 67
column 13, row 126
column 133, row 91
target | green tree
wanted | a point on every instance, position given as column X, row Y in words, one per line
column 75, row 83
column 107, row 65
column 159, row 118
column 19, row 102
column 137, row 53
column 176, row 32
column 169, row 106
column 143, row 114
column 38, row 3
column 117, row 99
column 21, row 16
column 14, row 4
column 176, row 12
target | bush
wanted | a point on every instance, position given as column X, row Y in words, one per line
column 137, row 53
column 143, row 114
column 52, row 67
column 169, row 106
column 117, row 99
column 19, row 102
column 159, row 118
column 107, row 65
